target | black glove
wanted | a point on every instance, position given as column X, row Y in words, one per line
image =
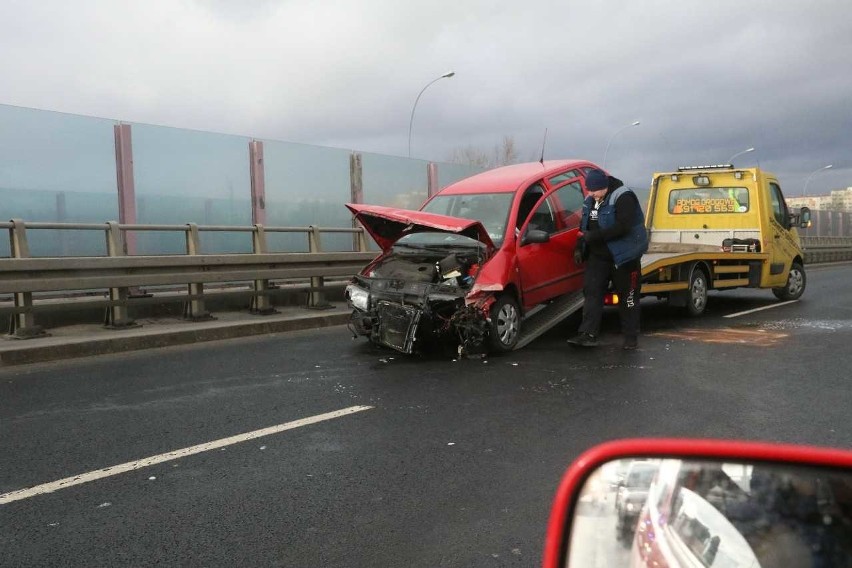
column 580, row 251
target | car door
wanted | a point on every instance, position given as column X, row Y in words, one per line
column 782, row 247
column 547, row 270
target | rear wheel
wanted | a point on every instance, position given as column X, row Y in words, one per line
column 505, row 324
column 696, row 294
column 796, row 282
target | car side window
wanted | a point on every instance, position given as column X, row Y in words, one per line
column 542, row 218
column 569, row 205
column 779, row 208
column 528, row 201
column 565, row 176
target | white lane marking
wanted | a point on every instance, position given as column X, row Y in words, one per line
column 173, row 455
column 778, row 305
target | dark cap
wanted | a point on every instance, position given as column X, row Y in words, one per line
column 596, row 180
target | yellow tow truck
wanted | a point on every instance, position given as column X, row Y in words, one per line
column 718, row 228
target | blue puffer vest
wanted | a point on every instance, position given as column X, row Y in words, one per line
column 629, row 247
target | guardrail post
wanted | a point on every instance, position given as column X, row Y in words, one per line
column 316, row 297
column 361, row 239
column 22, row 324
column 261, row 303
column 116, row 315
column 194, row 308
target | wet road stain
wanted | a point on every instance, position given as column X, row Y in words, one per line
column 751, row 337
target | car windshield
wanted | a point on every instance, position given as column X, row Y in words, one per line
column 490, row 209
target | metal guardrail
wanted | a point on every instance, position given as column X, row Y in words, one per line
column 826, row 249
column 119, row 275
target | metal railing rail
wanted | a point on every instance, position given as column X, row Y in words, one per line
column 826, row 249
column 120, row 275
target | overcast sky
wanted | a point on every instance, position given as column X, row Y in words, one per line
column 706, row 79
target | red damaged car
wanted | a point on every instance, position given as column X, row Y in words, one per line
column 473, row 261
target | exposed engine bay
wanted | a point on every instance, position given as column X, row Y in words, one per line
column 419, row 295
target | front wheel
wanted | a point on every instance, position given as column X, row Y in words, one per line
column 796, row 282
column 505, row 324
column 696, row 300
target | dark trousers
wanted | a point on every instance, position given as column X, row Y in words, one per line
column 625, row 280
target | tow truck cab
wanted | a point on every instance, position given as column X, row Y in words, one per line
column 720, row 227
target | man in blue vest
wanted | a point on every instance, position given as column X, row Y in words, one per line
column 613, row 240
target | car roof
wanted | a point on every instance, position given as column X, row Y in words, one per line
column 508, row 179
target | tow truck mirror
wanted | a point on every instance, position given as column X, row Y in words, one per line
column 804, row 218
column 704, row 498
column 535, row 236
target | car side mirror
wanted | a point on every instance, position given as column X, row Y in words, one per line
column 703, row 499
column 535, row 236
column 804, row 220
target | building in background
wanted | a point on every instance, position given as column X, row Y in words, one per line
column 838, row 200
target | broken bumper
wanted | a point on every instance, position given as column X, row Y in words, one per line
column 403, row 315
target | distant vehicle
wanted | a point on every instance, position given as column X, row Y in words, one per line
column 476, row 259
column 631, row 495
column 718, row 228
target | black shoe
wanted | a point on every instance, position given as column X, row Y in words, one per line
column 584, row 339
column 631, row 342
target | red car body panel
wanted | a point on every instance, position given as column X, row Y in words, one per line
column 567, row 494
column 542, row 200
column 534, row 272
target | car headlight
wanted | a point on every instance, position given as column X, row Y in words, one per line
column 630, row 507
column 358, row 297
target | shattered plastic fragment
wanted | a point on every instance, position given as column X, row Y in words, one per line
column 152, row 478
column 263, row 447
column 102, row 505
column 451, row 443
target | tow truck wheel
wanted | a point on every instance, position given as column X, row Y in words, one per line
column 696, row 301
column 796, row 282
column 505, row 324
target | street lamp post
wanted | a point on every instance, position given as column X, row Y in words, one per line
column 411, row 121
column 731, row 159
column 611, row 138
column 812, row 175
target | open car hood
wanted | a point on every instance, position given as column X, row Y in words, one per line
column 387, row 224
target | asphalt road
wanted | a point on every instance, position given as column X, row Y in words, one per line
column 454, row 464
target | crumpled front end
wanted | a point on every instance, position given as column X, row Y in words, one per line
column 408, row 301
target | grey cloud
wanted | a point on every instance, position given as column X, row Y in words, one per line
column 707, row 79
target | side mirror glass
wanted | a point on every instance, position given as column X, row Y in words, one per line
column 804, row 218
column 535, row 236
column 720, row 508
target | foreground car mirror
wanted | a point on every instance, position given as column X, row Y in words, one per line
column 535, row 236
column 704, row 503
